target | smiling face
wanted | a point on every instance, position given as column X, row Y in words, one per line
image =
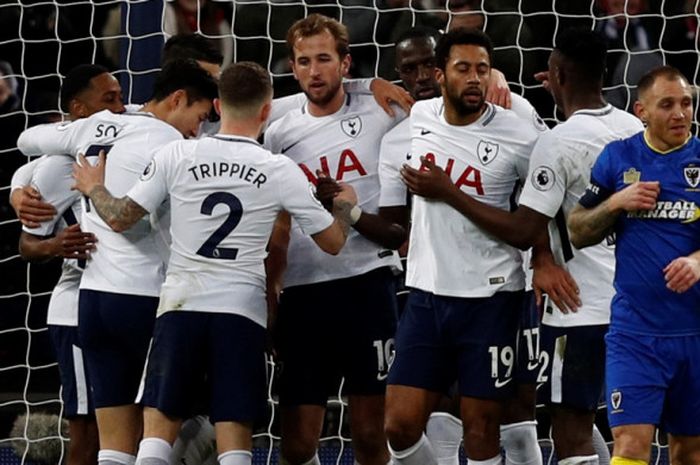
column 319, row 68
column 415, row 63
column 667, row 109
column 465, row 80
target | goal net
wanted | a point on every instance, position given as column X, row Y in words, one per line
column 40, row 40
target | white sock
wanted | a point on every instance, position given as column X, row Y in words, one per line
column 580, row 460
column 236, row 457
column 497, row 460
column 420, row 453
column 314, row 461
column 114, row 457
column 444, row 432
column 519, row 440
column 600, row 447
column 153, row 451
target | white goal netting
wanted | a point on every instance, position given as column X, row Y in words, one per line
column 41, row 40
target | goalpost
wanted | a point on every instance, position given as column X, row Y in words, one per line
column 42, row 39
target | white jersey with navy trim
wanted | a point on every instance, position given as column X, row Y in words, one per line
column 559, row 173
column 225, row 193
column 52, row 177
column 131, row 262
column 346, row 145
column 448, row 254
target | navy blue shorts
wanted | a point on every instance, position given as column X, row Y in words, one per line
column 224, row 351
column 115, row 332
column 527, row 368
column 655, row 381
column 473, row 337
column 75, row 388
column 573, row 366
column 335, row 329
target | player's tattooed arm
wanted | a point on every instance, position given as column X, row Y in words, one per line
column 119, row 214
column 589, row 226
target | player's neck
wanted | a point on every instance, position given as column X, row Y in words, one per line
column 453, row 117
column 582, row 101
column 329, row 108
column 240, row 128
column 157, row 109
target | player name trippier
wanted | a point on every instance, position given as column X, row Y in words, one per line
column 221, row 168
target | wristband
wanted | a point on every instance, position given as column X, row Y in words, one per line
column 355, row 214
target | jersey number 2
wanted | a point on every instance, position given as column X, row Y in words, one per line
column 210, row 248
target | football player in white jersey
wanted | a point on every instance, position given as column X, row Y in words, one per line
column 86, row 89
column 463, row 311
column 572, row 333
column 225, row 193
column 122, row 279
column 337, row 314
column 415, row 63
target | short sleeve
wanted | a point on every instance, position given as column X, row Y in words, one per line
column 545, row 185
column 297, row 196
column 151, row 190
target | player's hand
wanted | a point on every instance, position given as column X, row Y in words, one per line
column 86, row 176
column 543, row 77
column 498, row 92
column 553, row 280
column 29, row 207
column 346, row 194
column 682, row 273
column 71, row 242
column 640, row 195
column 326, row 189
column 386, row 93
column 430, row 181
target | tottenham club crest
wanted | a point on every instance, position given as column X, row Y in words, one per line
column 542, row 178
column 616, row 399
column 351, row 126
column 486, row 151
column 692, row 175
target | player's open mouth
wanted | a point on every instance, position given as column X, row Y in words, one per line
column 425, row 92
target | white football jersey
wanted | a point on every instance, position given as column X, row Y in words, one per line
column 346, row 145
column 448, row 254
column 124, row 263
column 394, row 151
column 560, row 170
column 225, row 193
column 52, row 177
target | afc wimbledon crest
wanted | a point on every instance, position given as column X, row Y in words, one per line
column 351, row 126
column 615, row 399
column 692, row 175
column 486, row 151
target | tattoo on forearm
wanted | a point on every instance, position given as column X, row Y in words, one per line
column 341, row 212
column 120, row 213
column 593, row 225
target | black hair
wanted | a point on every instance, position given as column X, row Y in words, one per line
column 418, row 32
column 192, row 46
column 585, row 50
column 460, row 36
column 77, row 80
column 186, row 75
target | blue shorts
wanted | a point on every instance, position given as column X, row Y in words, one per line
column 115, row 332
column 335, row 329
column 75, row 389
column 654, row 381
column 573, row 366
column 474, row 338
column 222, row 351
column 527, row 367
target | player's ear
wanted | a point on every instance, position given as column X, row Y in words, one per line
column 440, row 76
column 265, row 111
column 345, row 64
column 177, row 98
column 217, row 106
column 77, row 108
column 640, row 111
column 294, row 69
